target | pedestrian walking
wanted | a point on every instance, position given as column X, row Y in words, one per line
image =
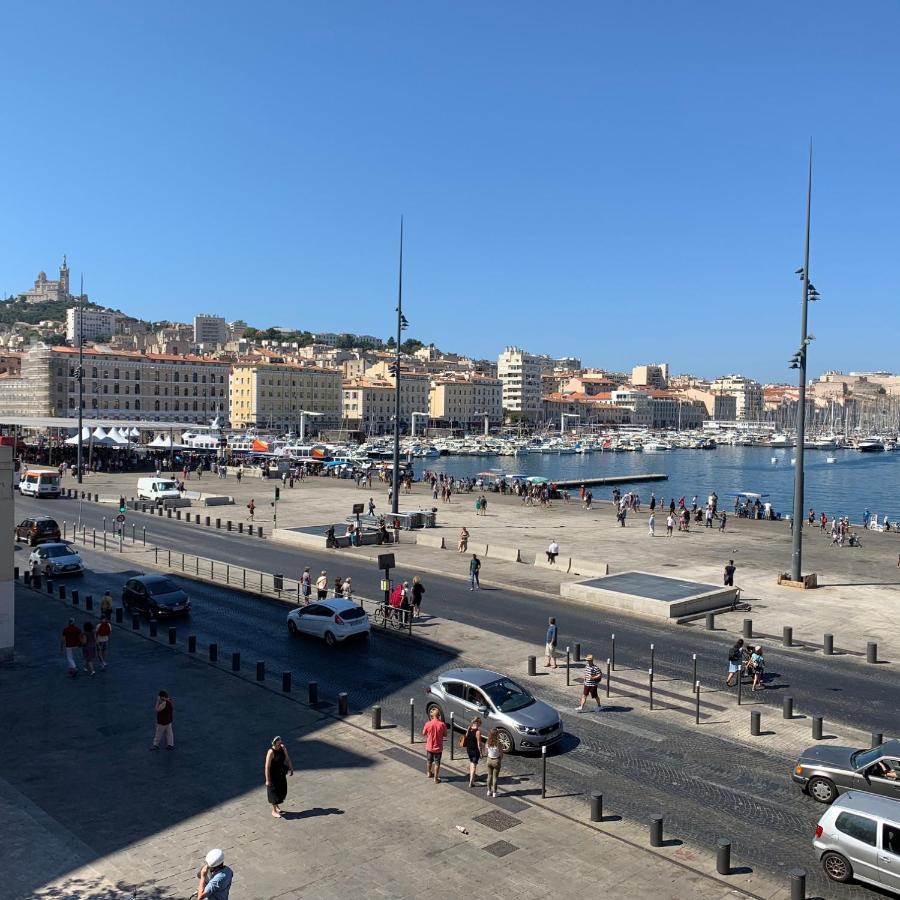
column 347, row 588
column 494, row 760
column 552, row 552
column 71, row 641
column 735, row 661
column 165, row 715
column 371, row 506
column 104, row 630
column 757, row 667
column 418, row 589
column 277, row 767
column 214, row 877
column 592, row 678
column 396, row 531
column 435, row 731
column 106, row 606
column 729, row 573
column 651, row 525
column 471, row 740
column 723, row 518
column 88, row 647
column 306, row 585
column 338, row 585
column 550, row 644
column 463, row 540
column 670, row 524
column 474, row 570
column 251, row 506
column 322, row 586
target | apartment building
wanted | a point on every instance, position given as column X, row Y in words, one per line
column 465, row 399
column 747, row 394
column 273, row 395
column 655, row 375
column 369, row 402
column 89, row 324
column 210, row 330
column 520, row 375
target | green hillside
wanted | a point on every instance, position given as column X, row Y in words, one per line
column 17, row 310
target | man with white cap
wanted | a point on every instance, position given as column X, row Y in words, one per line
column 215, row 877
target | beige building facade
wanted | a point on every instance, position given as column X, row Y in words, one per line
column 466, row 399
column 369, row 402
column 520, row 375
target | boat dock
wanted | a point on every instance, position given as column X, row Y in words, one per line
column 609, row 479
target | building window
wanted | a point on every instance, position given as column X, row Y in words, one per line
column 137, row 404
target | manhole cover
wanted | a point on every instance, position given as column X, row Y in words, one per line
column 500, row 848
column 498, row 821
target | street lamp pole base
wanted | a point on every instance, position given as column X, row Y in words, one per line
column 807, row 582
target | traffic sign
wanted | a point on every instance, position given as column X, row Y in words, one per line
column 120, row 518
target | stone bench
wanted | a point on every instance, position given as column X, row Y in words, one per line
column 507, row 554
column 561, row 565
column 592, row 568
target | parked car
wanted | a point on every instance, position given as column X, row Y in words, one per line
column 858, row 837
column 38, row 530
column 824, row 772
column 522, row 722
column 57, row 558
column 332, row 620
column 156, row 595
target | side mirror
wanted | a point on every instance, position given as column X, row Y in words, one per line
column 482, row 709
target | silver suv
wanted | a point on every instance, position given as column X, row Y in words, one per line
column 858, row 837
column 522, row 722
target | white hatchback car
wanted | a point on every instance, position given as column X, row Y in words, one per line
column 332, row 620
column 57, row 558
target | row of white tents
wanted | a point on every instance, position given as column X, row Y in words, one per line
column 115, row 437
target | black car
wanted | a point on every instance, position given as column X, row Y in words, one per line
column 156, row 595
column 38, row 530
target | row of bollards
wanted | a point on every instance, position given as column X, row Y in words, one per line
column 787, row 640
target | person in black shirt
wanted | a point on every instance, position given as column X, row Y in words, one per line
column 729, row 573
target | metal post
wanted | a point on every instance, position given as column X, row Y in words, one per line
column 694, row 678
column 568, row 662
column 104, row 542
column 313, row 689
column 153, row 628
column 817, row 728
column 652, row 655
column 95, row 536
column 412, row 720
column 650, row 680
column 596, row 806
column 787, row 708
column 544, row 772
column 755, row 717
column 213, row 652
column 877, row 739
column 376, row 720
column 797, row 512
column 236, row 661
column 740, row 681
column 452, row 741
column 75, row 597
column 577, row 654
column 121, row 540
column 723, row 856
column 787, row 636
column 342, row 704
column 172, row 635
column 612, row 651
column 828, row 645
column 192, row 643
column 532, row 664
column 871, row 652
column 260, row 671
column 607, row 679
column 88, row 602
column 136, row 622
column 395, row 481
column 747, row 631
column 696, row 702
column 120, row 615
column 656, row 831
column 798, row 884
column 286, row 683
column 133, row 529
column 710, row 621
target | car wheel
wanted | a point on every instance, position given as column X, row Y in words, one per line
column 836, row 867
column 432, row 706
column 329, row 639
column 292, row 628
column 822, row 790
column 504, row 739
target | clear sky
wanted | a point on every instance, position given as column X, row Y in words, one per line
column 621, row 181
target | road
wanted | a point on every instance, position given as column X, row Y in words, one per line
column 707, row 787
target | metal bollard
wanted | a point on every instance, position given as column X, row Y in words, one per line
column 260, row 671
column 135, row 622
column 178, row 514
column 568, row 663
column 596, row 806
column 787, row 636
column 452, row 741
column 872, row 652
column 696, row 702
column 228, row 523
column 755, row 716
column 710, row 621
column 787, row 708
column 15, row 573
column 192, row 643
column 577, row 655
column 240, row 527
column 207, row 521
column 748, row 629
column 723, row 856
column 740, row 680
column 213, row 652
column 656, row 831
column 342, row 703
column 798, row 884
column 376, row 720
column 89, row 602
column 532, row 665
column 236, row 661
column 61, row 592
column 817, row 728
column 286, row 682
column 412, row 720
column 612, row 651
column 153, row 628
column 650, row 681
column 694, row 678
column 75, row 598
column 828, row 645
column 313, row 691
column 877, row 739
column 652, row 655
column 173, row 635
column 607, row 679
column 26, row 579
column 49, row 586
column 544, row 772
column 120, row 615
column 218, row 523
column 36, row 581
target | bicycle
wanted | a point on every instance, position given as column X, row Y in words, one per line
column 388, row 616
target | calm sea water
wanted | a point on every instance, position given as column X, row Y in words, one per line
column 846, row 487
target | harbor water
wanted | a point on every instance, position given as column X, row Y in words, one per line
column 853, row 482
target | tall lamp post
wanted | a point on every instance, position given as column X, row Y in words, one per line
column 402, row 325
column 79, row 373
column 798, row 361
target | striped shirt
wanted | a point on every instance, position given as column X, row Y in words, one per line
column 592, row 673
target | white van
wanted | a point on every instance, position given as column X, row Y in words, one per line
column 157, row 489
column 39, row 483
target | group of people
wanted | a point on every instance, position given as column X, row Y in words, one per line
column 89, row 641
column 746, row 661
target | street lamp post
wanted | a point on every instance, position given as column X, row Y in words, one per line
column 402, row 324
column 80, row 373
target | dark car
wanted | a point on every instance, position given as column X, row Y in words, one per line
column 824, row 772
column 38, row 530
column 156, row 595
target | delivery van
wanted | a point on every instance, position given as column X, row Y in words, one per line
column 39, row 483
column 157, row 489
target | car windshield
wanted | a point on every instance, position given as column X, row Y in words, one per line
column 863, row 758
column 507, row 696
column 58, row 551
column 163, row 586
column 165, row 486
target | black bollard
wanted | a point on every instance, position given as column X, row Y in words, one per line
column 532, row 665
column 710, row 621
column 236, row 661
column 755, row 716
column 229, row 524
column 135, row 622
column 61, row 592
column 798, row 884
column 26, row 579
column 650, row 684
column 612, row 651
column 153, row 627
column 787, row 636
column 412, row 720
column 817, row 728
column 740, row 688
column 342, row 703
column 286, row 682
column 656, row 831
column 218, row 523
column 696, row 702
column 828, row 645
column 577, row 655
column 89, row 602
column 207, row 521
column 787, row 708
column 192, row 643
column 172, row 635
column 49, row 586
column 544, row 772
column 748, row 629
column 376, row 721
column 871, row 652
column 213, row 652
column 260, row 671
column 120, row 615
column 596, row 806
column 240, row 527
column 313, row 689
column 877, row 739
column 694, row 678
column 568, row 664
column 608, row 679
column 15, row 573
column 723, row 856
column 76, row 596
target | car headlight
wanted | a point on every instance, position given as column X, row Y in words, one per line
column 524, row 729
column 798, row 770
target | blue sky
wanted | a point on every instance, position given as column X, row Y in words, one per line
column 619, row 181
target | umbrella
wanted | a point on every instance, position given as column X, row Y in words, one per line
column 538, row 479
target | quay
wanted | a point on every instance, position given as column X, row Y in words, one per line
column 609, row 479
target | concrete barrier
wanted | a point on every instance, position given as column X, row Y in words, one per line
column 299, row 539
column 561, row 565
column 477, row 549
column 217, row 500
column 508, row 554
column 592, row 568
column 430, row 540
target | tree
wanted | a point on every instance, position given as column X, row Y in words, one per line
column 410, row 345
column 390, row 342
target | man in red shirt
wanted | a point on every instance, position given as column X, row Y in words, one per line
column 435, row 731
column 102, row 633
column 71, row 640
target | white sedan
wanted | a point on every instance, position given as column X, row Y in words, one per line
column 56, row 558
column 332, row 620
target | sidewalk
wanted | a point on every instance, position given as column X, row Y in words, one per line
column 111, row 818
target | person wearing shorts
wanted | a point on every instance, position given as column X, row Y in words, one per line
column 471, row 740
column 435, row 731
column 550, row 645
column 592, row 676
